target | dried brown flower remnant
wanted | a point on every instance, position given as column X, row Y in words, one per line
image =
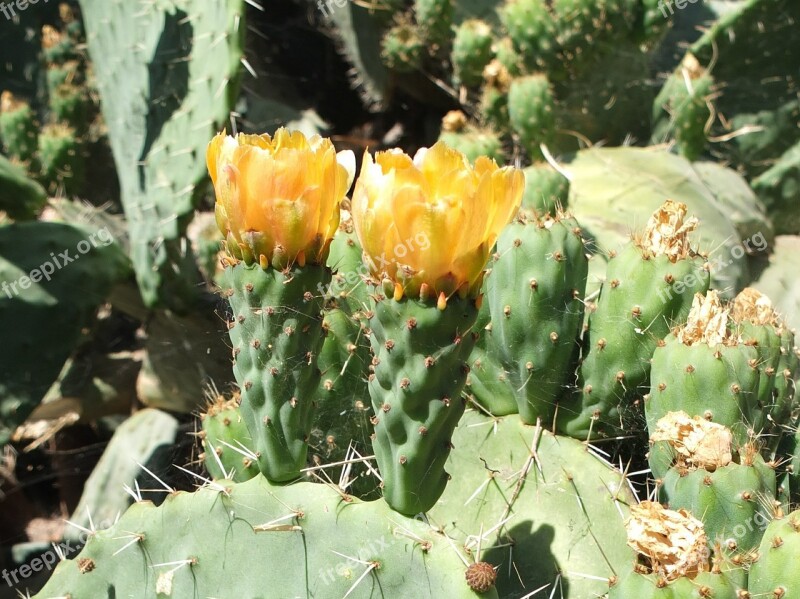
column 9, row 102
column 481, row 576
column 753, row 306
column 671, row 543
column 495, row 74
column 697, row 442
column 707, row 322
column 453, row 121
column 51, row 37
column 667, row 232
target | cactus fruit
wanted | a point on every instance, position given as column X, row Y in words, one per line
column 704, row 369
column 642, row 297
column 773, row 575
column 487, row 383
column 277, row 244
column 533, row 31
column 57, row 47
column 18, row 127
column 686, row 97
column 546, row 189
column 319, row 543
column 688, row 443
column 531, row 112
column 224, row 437
column 673, row 559
column 69, row 105
column 341, row 420
column 426, row 225
column 67, row 73
column 494, row 95
column 472, row 51
column 728, row 489
column 535, row 296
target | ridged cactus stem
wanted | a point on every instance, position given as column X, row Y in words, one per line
column 277, row 334
column 420, row 365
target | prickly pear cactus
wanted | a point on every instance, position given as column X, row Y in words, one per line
column 645, row 292
column 327, row 545
column 275, row 330
column 506, row 500
column 774, row 573
column 705, row 369
column 224, row 439
column 535, row 296
column 729, row 489
column 421, row 355
column 167, row 75
column 20, row 197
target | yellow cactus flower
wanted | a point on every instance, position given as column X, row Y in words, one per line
column 429, row 223
column 278, row 197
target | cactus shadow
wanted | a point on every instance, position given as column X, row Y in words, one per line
column 168, row 79
column 529, row 564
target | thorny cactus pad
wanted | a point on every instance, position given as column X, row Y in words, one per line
column 637, row 306
column 728, row 489
column 535, row 295
column 705, row 369
column 225, row 440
